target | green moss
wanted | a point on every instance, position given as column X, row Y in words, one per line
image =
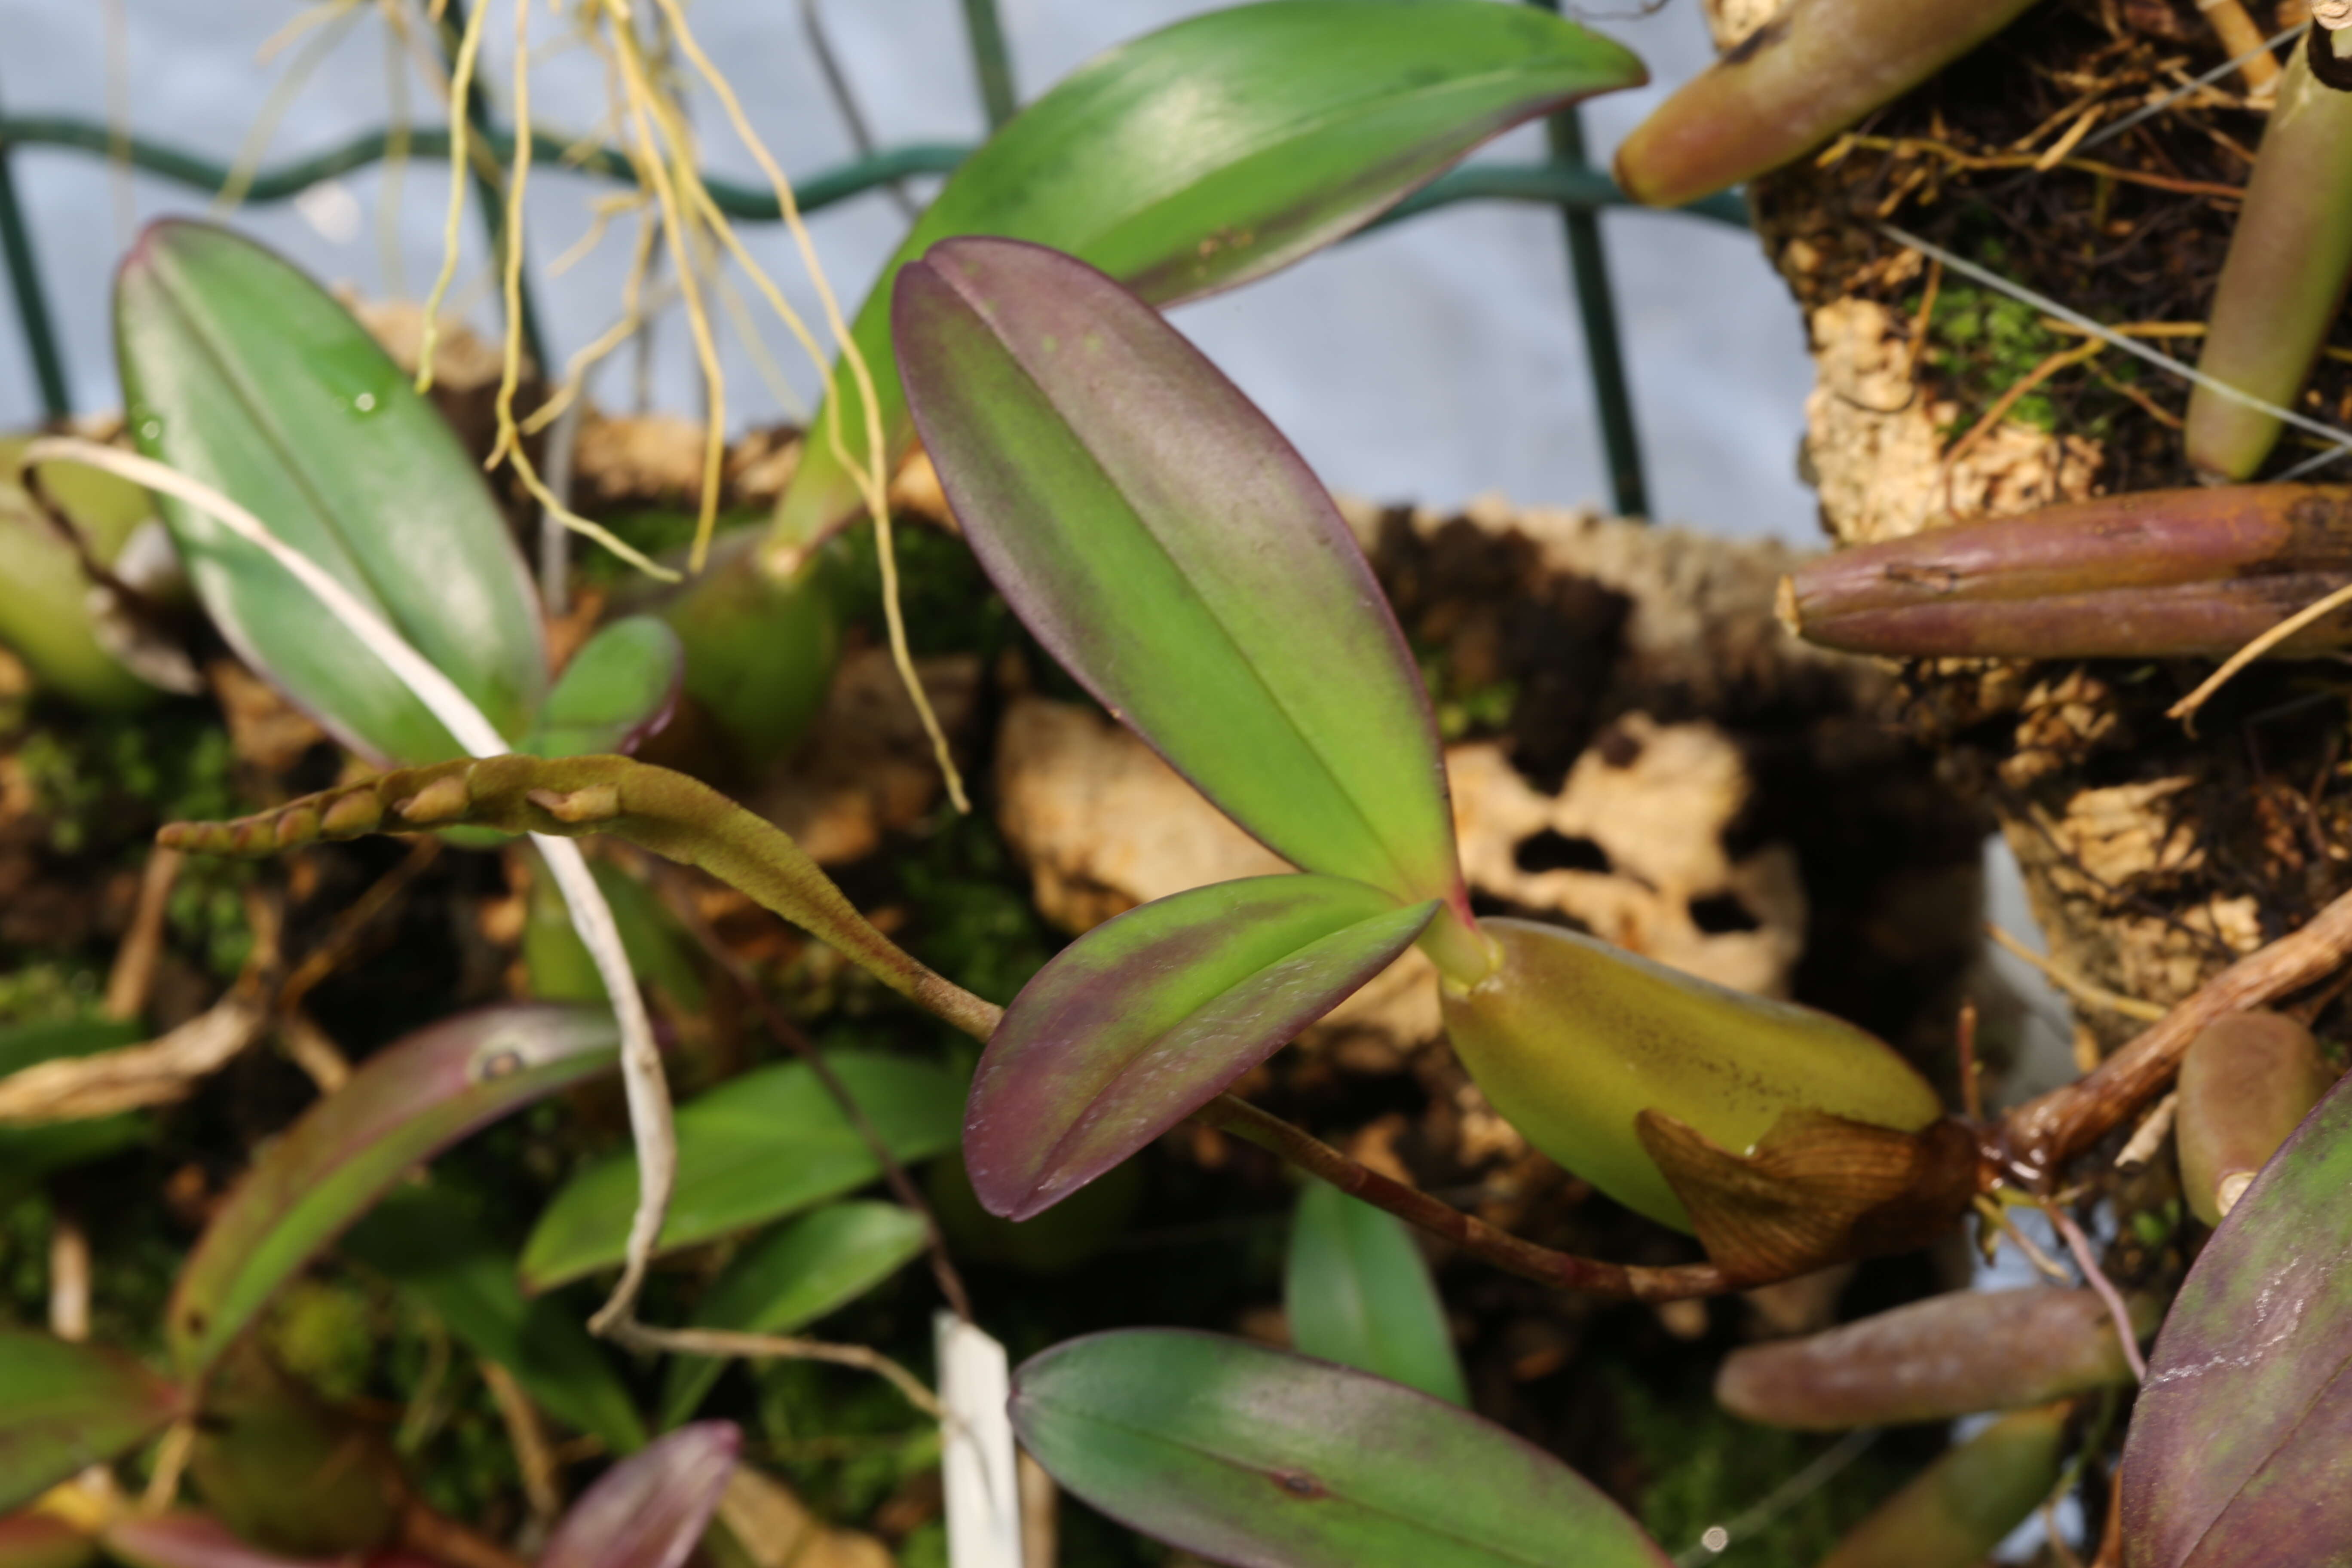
column 25, row 1260
column 1984, row 343
column 108, row 776
column 845, row 1441
column 925, row 1547
column 324, row 1334
column 976, row 923
column 51, row 990
column 655, row 530
column 1703, row 1468
column 206, row 912
column 136, row 1250
column 949, row 604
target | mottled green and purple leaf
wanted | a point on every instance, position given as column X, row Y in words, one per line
column 1148, row 1016
column 403, row 1105
column 1250, row 1456
column 1173, row 552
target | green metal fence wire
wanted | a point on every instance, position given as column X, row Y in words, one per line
column 1565, row 182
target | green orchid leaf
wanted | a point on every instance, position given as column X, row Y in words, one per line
column 1144, row 1019
column 29, row 1154
column 42, row 1540
column 791, row 1277
column 427, row 1241
column 1218, row 150
column 404, row 1104
column 64, row 1407
column 1245, row 1454
column 1358, row 1292
column 650, row 1510
column 45, row 595
column 1143, row 518
column 757, row 1148
column 620, row 688
column 242, row 372
column 2236, row 1452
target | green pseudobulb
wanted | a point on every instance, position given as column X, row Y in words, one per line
column 1572, row 1039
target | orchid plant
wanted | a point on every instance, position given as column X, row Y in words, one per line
column 1161, row 540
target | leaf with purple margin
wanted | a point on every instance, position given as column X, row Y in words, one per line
column 2236, row 1458
column 242, row 372
column 650, row 1510
column 1163, row 540
column 1220, row 149
column 620, row 688
column 1145, row 1018
column 64, row 1406
column 404, row 1104
column 1254, row 1457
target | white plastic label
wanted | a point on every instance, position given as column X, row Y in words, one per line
column 976, row 1463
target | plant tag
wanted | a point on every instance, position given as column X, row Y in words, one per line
column 976, row 1455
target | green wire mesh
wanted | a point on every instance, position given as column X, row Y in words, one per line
column 1565, row 181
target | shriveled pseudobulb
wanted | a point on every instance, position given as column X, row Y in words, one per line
column 1947, row 1356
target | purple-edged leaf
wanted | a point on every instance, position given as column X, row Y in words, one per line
column 63, row 1407
column 2237, row 1450
column 192, row 1541
column 1221, row 148
column 405, row 1104
column 1254, row 1457
column 649, row 1511
column 242, row 372
column 618, row 688
column 1142, row 1020
column 1158, row 535
column 42, row 1540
